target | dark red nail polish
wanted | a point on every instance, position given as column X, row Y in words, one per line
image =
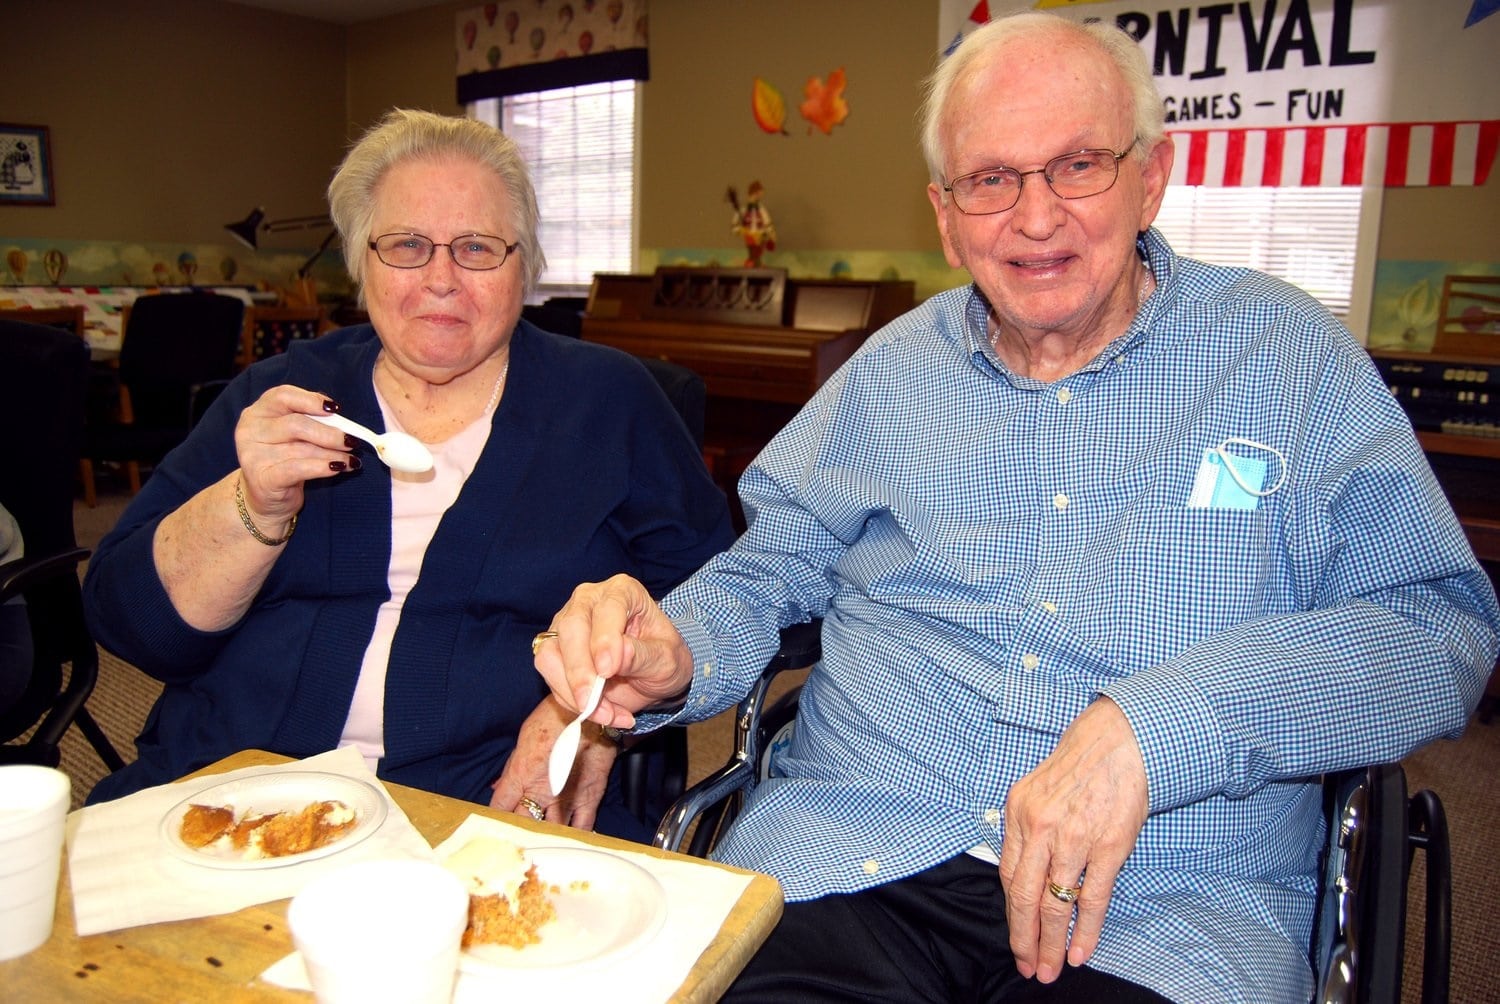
column 355, row 463
column 330, row 406
column 336, row 465
column 350, row 442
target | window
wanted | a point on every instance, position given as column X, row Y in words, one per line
column 580, row 144
column 1311, row 237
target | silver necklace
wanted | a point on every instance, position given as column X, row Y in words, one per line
column 495, row 394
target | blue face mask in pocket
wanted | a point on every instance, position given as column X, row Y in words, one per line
column 1226, row 481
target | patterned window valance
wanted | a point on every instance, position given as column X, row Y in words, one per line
column 522, row 46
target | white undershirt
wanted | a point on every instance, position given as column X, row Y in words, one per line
column 418, row 502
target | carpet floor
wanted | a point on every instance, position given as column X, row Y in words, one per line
column 1462, row 773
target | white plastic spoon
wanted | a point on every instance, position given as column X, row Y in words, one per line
column 560, row 763
column 399, row 451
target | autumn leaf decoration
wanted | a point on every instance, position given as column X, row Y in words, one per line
column 768, row 107
column 825, row 106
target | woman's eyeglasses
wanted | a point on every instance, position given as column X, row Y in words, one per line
column 475, row 252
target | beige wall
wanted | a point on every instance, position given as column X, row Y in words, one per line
column 1442, row 224
column 406, row 60
column 170, row 120
column 863, row 187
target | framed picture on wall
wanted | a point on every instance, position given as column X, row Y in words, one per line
column 25, row 165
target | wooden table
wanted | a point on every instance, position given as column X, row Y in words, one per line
column 219, row 958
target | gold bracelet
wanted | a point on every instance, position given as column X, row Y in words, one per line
column 239, row 503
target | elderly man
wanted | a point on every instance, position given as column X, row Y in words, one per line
column 1115, row 552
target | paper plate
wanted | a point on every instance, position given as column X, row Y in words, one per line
column 283, row 791
column 607, row 907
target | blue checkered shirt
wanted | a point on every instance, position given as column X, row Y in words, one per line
column 990, row 553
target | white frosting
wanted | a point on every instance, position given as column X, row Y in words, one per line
column 487, row 866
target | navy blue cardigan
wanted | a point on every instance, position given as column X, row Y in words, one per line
column 587, row 472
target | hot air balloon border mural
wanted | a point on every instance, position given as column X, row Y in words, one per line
column 55, row 263
column 518, row 33
column 45, row 263
column 25, row 166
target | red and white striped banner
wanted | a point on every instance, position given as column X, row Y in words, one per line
column 1398, row 155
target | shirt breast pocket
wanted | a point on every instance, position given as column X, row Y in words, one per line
column 1180, row 575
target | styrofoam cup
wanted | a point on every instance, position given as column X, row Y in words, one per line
column 33, row 811
column 381, row 931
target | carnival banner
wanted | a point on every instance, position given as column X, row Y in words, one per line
column 1308, row 92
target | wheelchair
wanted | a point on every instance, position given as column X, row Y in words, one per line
column 1374, row 829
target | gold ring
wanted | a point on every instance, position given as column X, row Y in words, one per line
column 534, row 810
column 536, row 643
column 1062, row 893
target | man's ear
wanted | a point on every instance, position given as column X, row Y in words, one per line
column 1155, row 170
column 950, row 252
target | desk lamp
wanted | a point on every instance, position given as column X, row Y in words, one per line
column 248, row 230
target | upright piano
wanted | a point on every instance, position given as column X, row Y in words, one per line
column 762, row 342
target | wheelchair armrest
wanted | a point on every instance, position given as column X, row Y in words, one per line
column 21, row 574
column 731, row 779
column 801, row 646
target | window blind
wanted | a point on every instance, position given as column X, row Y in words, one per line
column 580, row 145
column 1307, row 236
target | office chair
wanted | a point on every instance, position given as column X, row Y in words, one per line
column 178, row 351
column 1373, row 830
column 685, row 389
column 561, row 315
column 44, row 371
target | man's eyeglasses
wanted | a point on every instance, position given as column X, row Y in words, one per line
column 475, row 252
column 1072, row 176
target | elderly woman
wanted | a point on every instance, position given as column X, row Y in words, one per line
column 296, row 595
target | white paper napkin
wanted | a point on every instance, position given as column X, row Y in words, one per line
column 122, row 875
column 698, row 896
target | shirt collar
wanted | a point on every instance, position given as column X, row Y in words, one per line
column 1159, row 258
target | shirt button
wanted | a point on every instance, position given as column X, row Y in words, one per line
column 871, row 866
column 1064, row 396
column 708, row 669
column 992, row 816
column 1049, row 606
column 1030, row 661
column 1060, row 501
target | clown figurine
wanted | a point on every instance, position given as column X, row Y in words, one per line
column 753, row 224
